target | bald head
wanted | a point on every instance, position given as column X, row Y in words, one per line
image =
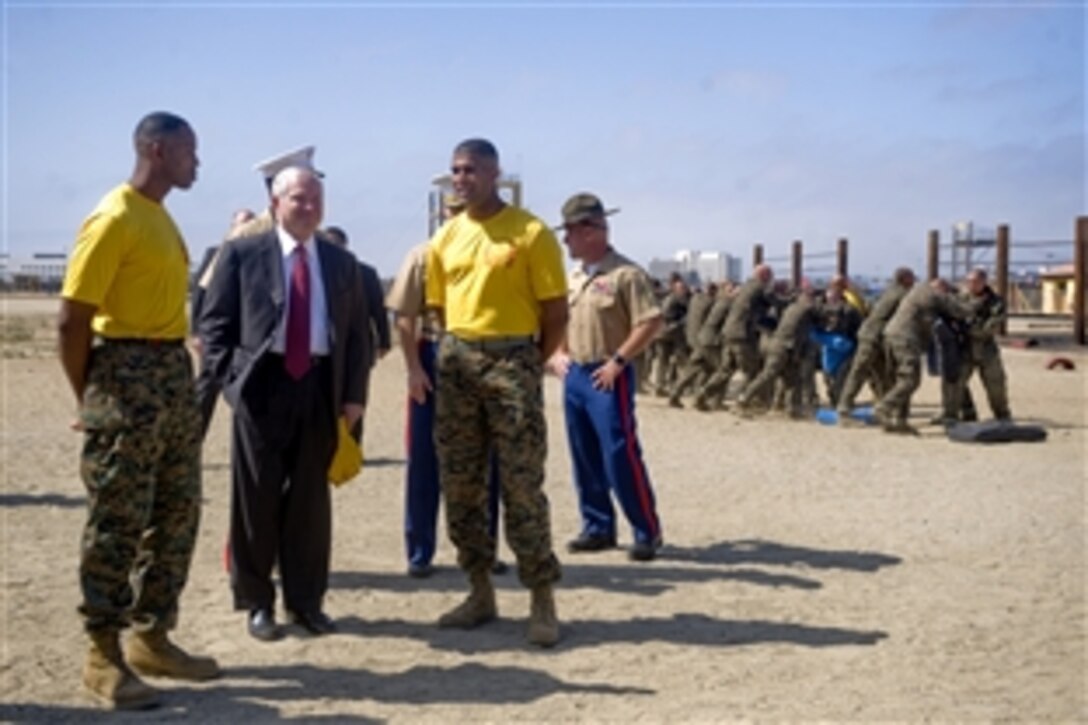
column 763, row 273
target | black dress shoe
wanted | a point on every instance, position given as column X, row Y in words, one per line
column 587, row 542
column 315, row 622
column 420, row 571
column 644, row 550
column 262, row 625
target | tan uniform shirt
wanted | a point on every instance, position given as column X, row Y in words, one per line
column 605, row 305
column 407, row 296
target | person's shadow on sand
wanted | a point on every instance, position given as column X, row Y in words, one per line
column 619, row 578
column 757, row 551
column 687, row 629
column 246, row 694
column 736, row 560
column 179, row 704
column 16, row 500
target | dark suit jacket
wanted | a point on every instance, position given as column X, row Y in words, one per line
column 196, row 292
column 245, row 301
column 378, row 317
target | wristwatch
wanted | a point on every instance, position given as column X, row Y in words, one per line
column 619, row 359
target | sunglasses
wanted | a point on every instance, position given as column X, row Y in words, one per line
column 588, row 223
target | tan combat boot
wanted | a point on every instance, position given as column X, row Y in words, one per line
column 543, row 622
column 477, row 609
column 153, row 654
column 108, row 679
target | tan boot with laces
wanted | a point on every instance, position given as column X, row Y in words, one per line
column 543, row 621
column 153, row 654
column 478, row 608
column 109, row 680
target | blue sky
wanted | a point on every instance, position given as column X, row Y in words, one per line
column 712, row 125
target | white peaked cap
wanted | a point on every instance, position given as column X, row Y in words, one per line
column 302, row 158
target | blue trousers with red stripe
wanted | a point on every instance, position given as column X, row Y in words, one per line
column 607, row 456
column 422, row 488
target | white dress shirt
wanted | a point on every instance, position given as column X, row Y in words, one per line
column 319, row 325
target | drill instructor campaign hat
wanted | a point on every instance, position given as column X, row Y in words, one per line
column 584, row 207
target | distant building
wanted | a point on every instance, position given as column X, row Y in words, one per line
column 698, row 267
column 1059, row 288
column 43, row 271
column 662, row 268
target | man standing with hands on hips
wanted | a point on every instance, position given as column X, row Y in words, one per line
column 496, row 274
column 613, row 317
column 285, row 332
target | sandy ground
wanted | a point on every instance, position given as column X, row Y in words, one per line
column 809, row 573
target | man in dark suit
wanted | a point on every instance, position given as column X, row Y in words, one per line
column 377, row 317
column 207, row 389
column 381, row 341
column 285, row 332
column 244, row 224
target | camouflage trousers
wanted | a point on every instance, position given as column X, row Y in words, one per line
column 141, row 467
column 670, row 358
column 784, row 364
column 737, row 355
column 700, row 366
column 905, row 359
column 984, row 357
column 868, row 366
column 492, row 400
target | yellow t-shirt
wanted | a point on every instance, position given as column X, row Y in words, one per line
column 490, row 276
column 130, row 262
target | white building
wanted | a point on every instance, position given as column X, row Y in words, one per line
column 699, row 267
column 39, row 270
column 662, row 268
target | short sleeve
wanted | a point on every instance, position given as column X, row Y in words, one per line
column 546, row 271
column 96, row 257
column 406, row 296
column 436, row 277
column 641, row 302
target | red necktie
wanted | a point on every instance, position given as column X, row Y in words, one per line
column 296, row 352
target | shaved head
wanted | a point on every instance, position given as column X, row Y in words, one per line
column 157, row 127
column 477, row 148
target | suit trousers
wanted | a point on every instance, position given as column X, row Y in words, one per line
column 283, row 441
column 606, row 454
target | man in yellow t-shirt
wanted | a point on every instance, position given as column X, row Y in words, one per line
column 122, row 328
column 496, row 273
